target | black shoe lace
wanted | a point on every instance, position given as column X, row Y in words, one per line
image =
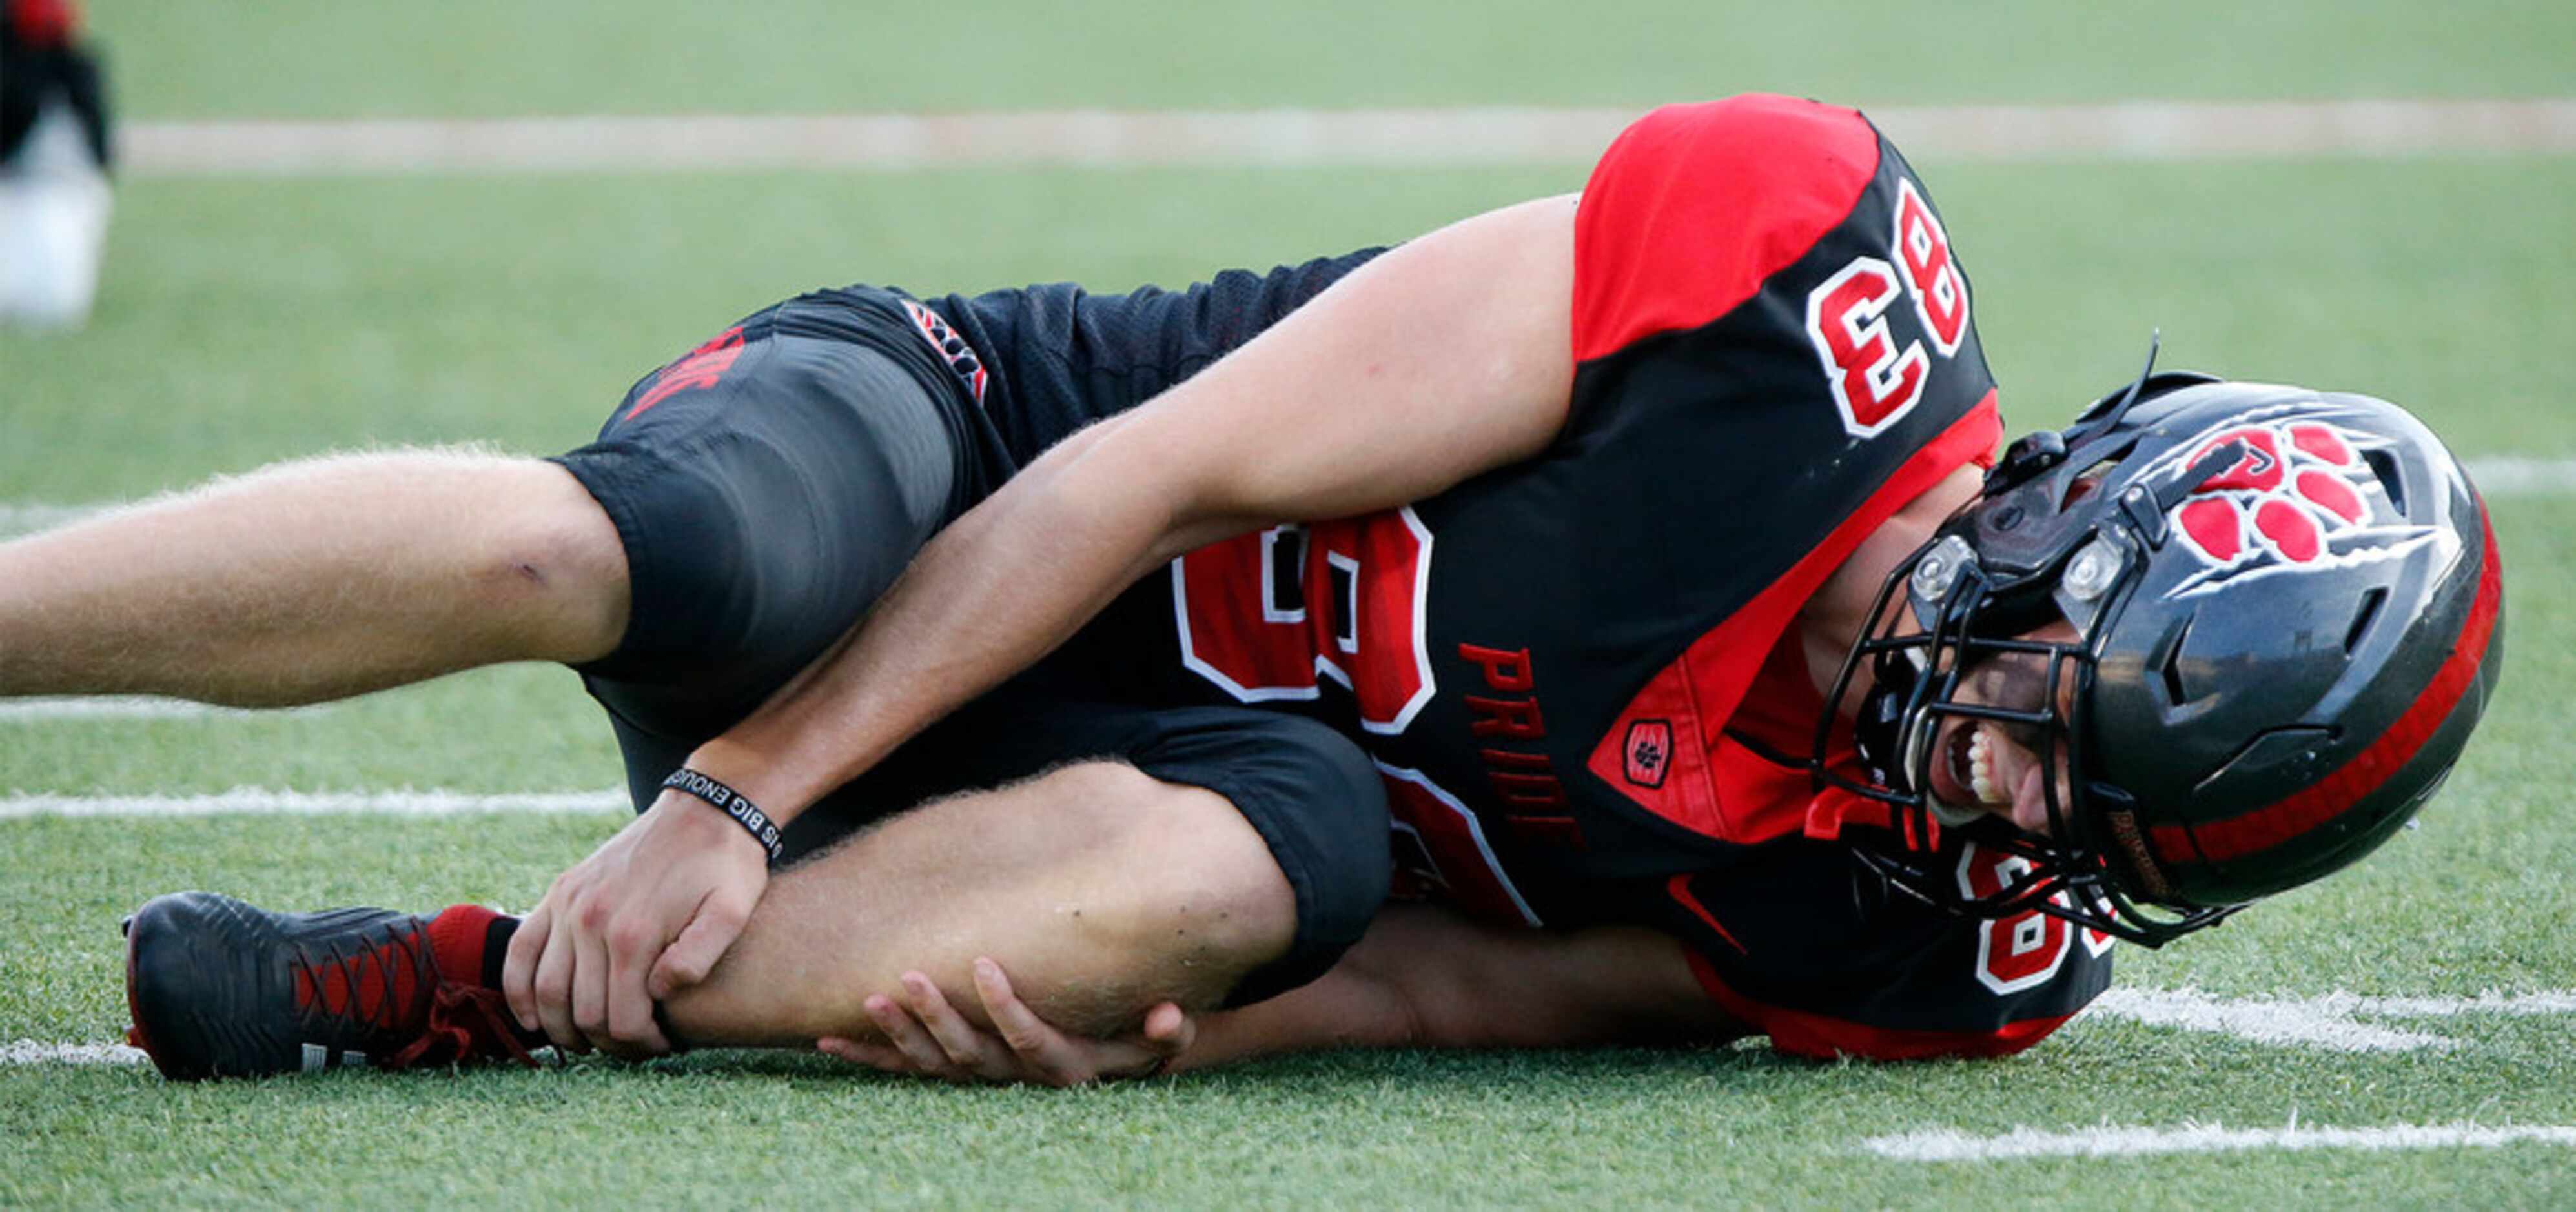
column 462, row 1023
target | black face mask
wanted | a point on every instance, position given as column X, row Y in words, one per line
column 2031, row 550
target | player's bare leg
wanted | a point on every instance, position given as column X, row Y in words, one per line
column 1100, row 889
column 315, row 580
column 1105, row 891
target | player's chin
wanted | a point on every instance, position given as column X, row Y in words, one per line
column 2024, row 773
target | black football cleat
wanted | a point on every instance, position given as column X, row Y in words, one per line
column 222, row 988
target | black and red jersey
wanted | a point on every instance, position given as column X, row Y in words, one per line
column 1577, row 674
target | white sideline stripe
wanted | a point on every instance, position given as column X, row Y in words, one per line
column 2496, row 476
column 40, row 1052
column 128, row 707
column 2135, row 130
column 1951, row 1146
column 262, row 801
column 2324, row 1022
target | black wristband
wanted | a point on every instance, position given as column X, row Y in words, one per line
column 733, row 804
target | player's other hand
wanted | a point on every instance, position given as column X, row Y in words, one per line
column 647, row 914
column 926, row 1037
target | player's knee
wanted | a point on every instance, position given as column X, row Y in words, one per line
column 1319, row 805
column 1194, row 883
column 552, row 567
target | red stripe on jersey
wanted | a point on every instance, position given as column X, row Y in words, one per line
column 1680, row 888
column 1802, row 1033
column 2355, row 780
column 1694, row 206
column 1744, row 801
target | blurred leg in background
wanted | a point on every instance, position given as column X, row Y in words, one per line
column 54, row 154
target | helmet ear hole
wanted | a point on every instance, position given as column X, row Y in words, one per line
column 2371, row 601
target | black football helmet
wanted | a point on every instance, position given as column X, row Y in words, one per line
column 2290, row 614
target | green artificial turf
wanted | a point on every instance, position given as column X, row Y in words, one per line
column 320, row 58
column 243, row 321
column 286, row 317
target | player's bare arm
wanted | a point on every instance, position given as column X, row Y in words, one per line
column 1444, row 358
column 1423, row 977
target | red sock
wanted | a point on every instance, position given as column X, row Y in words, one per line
column 470, row 943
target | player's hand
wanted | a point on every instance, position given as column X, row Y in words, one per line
column 926, row 1037
column 647, row 914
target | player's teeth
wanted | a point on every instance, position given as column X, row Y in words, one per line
column 1981, row 775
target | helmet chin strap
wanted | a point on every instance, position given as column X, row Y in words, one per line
column 2092, row 426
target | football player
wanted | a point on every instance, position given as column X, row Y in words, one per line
column 1632, row 581
column 54, row 163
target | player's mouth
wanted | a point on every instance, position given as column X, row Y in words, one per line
column 1965, row 776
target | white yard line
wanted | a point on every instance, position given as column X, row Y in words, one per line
column 1950, row 1146
column 2499, row 476
column 128, row 707
column 262, row 801
column 40, row 1052
column 2326, row 1022
column 2135, row 130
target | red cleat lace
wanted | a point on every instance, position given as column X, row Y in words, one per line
column 408, row 999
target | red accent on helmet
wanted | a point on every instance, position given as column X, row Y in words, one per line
column 2323, row 442
column 2256, row 831
column 2259, row 470
column 2213, row 525
column 2294, row 531
column 2332, row 493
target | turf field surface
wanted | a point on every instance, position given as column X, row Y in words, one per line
column 318, row 58
column 1300, row 138
column 2401, row 1035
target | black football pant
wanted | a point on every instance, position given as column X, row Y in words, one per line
column 769, row 499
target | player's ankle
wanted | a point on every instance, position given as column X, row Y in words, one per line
column 470, row 943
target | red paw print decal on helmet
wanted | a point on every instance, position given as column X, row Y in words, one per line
column 2299, row 497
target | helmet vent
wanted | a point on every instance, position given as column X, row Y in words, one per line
column 2171, row 666
column 2362, row 618
column 2383, row 466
